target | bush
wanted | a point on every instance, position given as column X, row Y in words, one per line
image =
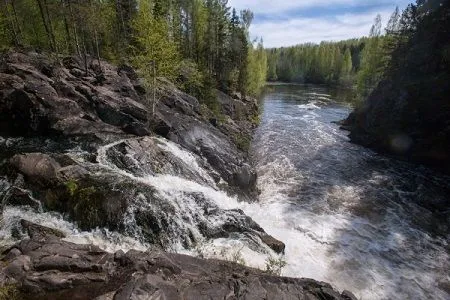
column 274, row 265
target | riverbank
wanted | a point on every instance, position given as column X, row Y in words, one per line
column 87, row 145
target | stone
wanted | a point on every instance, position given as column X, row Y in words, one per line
column 273, row 243
column 48, row 268
column 37, row 167
column 35, row 230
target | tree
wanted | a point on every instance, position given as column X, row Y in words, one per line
column 372, row 61
column 153, row 44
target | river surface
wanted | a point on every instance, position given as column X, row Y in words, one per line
column 347, row 215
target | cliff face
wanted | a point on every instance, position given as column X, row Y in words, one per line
column 87, row 144
column 58, row 100
column 408, row 114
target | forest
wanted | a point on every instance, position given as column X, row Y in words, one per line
column 356, row 63
column 198, row 44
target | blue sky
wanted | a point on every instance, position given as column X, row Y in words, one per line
column 290, row 22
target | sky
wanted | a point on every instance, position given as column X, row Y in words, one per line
column 291, row 22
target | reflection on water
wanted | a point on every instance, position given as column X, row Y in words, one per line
column 348, row 215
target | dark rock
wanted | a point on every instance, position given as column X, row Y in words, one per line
column 18, row 196
column 136, row 128
column 12, row 254
column 273, row 243
column 35, row 231
column 37, row 167
column 347, row 295
column 51, row 268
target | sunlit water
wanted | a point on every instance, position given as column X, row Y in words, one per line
column 347, row 215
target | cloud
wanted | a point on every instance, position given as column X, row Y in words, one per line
column 274, row 6
column 291, row 22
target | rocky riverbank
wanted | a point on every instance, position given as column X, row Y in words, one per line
column 85, row 143
column 408, row 112
column 50, row 268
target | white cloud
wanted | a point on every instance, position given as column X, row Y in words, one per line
column 278, row 6
column 302, row 30
column 278, row 26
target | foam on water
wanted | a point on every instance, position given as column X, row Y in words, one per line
column 347, row 216
column 104, row 239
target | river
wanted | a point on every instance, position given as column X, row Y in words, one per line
column 348, row 216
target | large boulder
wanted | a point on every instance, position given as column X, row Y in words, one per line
column 45, row 266
column 37, row 167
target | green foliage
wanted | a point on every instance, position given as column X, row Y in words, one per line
column 88, row 208
column 72, row 187
column 257, row 69
column 275, row 265
column 242, row 141
column 153, row 45
column 329, row 62
column 205, row 34
column 9, row 292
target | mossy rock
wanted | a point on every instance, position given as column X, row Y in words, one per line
column 10, row 292
column 88, row 202
column 242, row 141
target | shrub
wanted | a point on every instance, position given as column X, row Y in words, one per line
column 274, row 265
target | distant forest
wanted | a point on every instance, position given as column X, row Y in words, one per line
column 357, row 62
column 198, row 44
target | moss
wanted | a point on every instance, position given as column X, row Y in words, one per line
column 9, row 292
column 255, row 119
column 84, row 204
column 72, row 187
column 242, row 141
column 88, row 208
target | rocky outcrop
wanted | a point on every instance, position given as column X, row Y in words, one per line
column 408, row 113
column 46, row 267
column 59, row 100
column 87, row 144
column 402, row 121
column 80, row 141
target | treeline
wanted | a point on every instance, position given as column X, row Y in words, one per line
column 200, row 44
column 356, row 62
column 328, row 62
column 408, row 112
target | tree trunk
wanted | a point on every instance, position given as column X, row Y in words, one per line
column 50, row 26
column 19, row 32
column 66, row 25
column 47, row 30
column 75, row 33
column 11, row 24
column 97, row 48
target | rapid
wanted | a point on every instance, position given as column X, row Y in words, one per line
column 359, row 220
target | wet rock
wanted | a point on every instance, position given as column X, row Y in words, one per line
column 347, row 295
column 18, row 196
column 273, row 243
column 36, row 231
column 39, row 97
column 37, row 167
column 52, row 268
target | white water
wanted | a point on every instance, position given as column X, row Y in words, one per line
column 346, row 215
column 105, row 239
